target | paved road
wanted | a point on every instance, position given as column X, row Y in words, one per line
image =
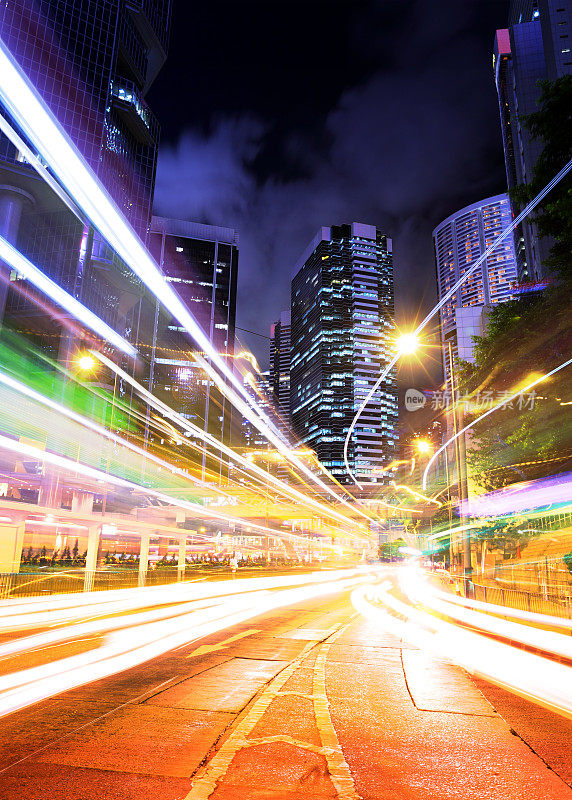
column 307, row 701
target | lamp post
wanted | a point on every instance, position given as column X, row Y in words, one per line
column 407, row 344
column 461, row 482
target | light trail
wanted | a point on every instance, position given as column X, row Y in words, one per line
column 480, row 260
column 152, row 636
column 69, row 465
column 30, row 612
column 51, row 289
column 284, row 488
column 117, row 614
column 500, row 404
column 522, row 498
column 101, row 431
column 531, row 676
column 416, row 494
column 419, row 593
column 42, row 128
column 40, row 168
column 505, row 611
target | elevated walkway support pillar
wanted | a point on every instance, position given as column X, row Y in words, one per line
column 182, row 556
column 11, row 544
column 93, row 535
column 143, row 559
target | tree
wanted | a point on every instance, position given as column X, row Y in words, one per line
column 75, row 550
column 505, row 536
column 530, row 335
column 389, row 551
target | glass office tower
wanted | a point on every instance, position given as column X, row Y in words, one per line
column 280, row 355
column 92, row 61
column 535, row 47
column 342, row 331
column 201, row 264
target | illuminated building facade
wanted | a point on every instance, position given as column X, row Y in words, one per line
column 201, row 263
column 536, row 46
column 280, row 362
column 342, row 327
column 92, row 61
column 259, row 389
column 459, row 240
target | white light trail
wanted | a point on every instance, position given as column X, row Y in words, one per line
column 283, row 487
column 128, row 647
column 490, row 249
column 538, row 679
column 500, row 404
column 69, row 465
column 419, row 593
column 514, row 613
column 36, row 163
column 100, row 430
column 45, row 132
column 35, row 276
column 36, row 612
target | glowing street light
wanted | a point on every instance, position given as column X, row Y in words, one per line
column 86, row 362
column 407, row 344
column 423, row 446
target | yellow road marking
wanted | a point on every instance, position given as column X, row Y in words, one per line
column 339, row 771
column 212, row 648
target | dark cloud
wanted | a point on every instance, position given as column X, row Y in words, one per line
column 416, row 139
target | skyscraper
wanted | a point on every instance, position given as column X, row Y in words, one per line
column 201, row 263
column 280, row 362
column 459, row 240
column 92, row 61
column 342, row 326
column 536, row 46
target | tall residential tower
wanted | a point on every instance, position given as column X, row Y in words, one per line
column 459, row 240
column 342, row 326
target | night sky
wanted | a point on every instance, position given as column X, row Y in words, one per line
column 279, row 116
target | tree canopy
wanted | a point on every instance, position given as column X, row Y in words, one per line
column 531, row 335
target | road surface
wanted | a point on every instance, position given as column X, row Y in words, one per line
column 309, row 700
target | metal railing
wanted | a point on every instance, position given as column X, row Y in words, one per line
column 556, row 605
column 42, row 584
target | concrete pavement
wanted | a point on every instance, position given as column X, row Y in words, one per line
column 309, row 700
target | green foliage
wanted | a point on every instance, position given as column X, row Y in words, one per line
column 531, row 335
column 567, row 559
column 523, row 338
column 389, row 551
column 503, row 535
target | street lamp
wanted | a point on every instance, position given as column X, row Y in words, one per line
column 407, row 344
column 423, row 446
column 86, row 362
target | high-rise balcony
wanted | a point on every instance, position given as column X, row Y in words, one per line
column 134, row 111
